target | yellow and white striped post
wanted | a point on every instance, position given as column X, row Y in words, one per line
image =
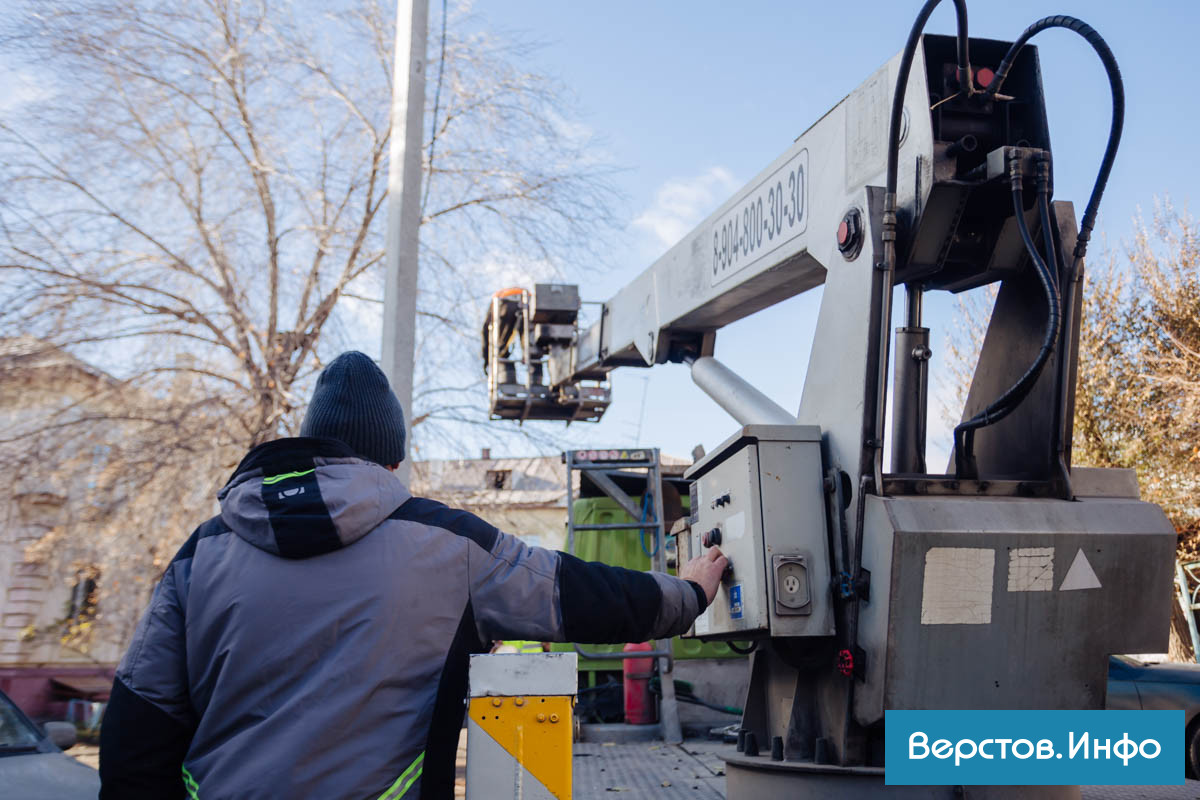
column 519, row 726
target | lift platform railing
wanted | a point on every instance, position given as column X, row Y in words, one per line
column 542, row 326
column 596, row 464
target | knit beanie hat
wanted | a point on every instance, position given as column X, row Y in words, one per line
column 354, row 404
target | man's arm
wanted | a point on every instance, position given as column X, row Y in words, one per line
column 149, row 721
column 526, row 592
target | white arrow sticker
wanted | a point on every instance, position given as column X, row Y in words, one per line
column 1080, row 575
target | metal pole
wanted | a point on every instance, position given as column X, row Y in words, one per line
column 571, row 503
column 671, row 731
column 404, row 203
column 912, row 306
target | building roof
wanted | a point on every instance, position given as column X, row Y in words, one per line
column 518, row 482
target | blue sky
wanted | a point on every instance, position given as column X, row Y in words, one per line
column 693, row 99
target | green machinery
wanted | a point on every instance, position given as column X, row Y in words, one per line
column 621, row 517
column 630, row 548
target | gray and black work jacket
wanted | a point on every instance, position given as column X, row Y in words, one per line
column 312, row 640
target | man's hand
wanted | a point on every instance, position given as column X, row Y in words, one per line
column 706, row 569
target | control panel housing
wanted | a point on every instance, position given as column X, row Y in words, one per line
column 759, row 497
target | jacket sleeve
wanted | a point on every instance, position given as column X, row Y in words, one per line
column 149, row 721
column 523, row 592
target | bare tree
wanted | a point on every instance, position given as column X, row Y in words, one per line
column 192, row 206
column 1139, row 386
column 962, row 345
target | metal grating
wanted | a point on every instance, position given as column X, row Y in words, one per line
column 645, row 770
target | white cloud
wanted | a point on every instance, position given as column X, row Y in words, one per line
column 680, row 203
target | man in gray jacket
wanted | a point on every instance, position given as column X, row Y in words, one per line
column 312, row 640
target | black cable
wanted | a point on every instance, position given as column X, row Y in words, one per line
column 731, row 710
column 1008, row 402
column 1118, row 107
column 888, row 232
column 888, row 236
column 1012, row 398
column 1001, row 407
column 1051, row 254
column 743, row 651
column 1059, row 269
column 964, row 433
column 910, row 48
column 684, row 693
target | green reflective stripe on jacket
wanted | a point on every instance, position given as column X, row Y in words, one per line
column 277, row 478
column 523, row 646
column 394, row 792
column 193, row 788
column 406, row 780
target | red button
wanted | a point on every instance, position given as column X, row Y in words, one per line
column 984, row 77
column 843, row 234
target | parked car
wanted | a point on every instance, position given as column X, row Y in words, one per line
column 32, row 763
column 1141, row 682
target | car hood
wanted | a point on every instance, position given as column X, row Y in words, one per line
column 48, row 776
column 1167, row 673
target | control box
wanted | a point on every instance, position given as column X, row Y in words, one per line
column 556, row 303
column 760, row 498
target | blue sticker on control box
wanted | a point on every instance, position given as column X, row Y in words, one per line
column 735, row 601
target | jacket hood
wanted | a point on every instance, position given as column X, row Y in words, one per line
column 306, row 496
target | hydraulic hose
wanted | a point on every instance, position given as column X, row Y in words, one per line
column 1012, row 398
column 888, row 236
column 888, row 231
column 1047, row 220
column 1061, row 273
column 910, row 48
column 1118, row 107
column 1001, row 407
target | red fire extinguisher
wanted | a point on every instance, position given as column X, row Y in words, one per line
column 640, row 708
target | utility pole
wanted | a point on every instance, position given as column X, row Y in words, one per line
column 404, row 204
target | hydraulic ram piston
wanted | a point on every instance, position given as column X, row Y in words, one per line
column 733, row 393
